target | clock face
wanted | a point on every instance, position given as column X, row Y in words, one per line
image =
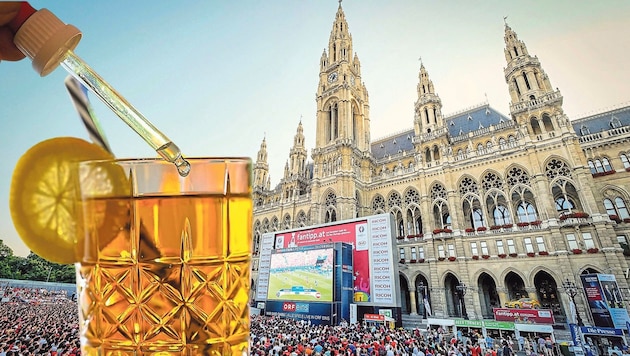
column 332, row 77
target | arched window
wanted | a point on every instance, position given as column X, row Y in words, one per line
column 565, row 194
column 584, row 130
column 518, row 91
column 331, row 215
column 301, row 219
column 624, row 160
column 614, row 123
column 526, row 81
column 526, row 212
column 606, row 164
column 622, row 208
column 378, row 204
column 401, row 228
column 333, row 123
column 610, row 208
column 618, row 208
column 502, row 143
column 446, row 221
column 501, row 215
column 441, row 215
column 564, row 204
column 477, row 218
column 394, row 200
column 535, row 125
column 598, row 166
column 546, row 121
column 436, row 153
column 330, row 204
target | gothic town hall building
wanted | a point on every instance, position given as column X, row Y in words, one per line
column 511, row 205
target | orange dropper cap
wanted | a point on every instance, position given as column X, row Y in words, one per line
column 41, row 36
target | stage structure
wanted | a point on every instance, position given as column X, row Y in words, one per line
column 319, row 273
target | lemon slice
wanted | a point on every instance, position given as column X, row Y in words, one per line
column 43, row 196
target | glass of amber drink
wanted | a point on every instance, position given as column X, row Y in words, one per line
column 165, row 260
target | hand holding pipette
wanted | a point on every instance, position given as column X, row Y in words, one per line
column 8, row 50
column 49, row 42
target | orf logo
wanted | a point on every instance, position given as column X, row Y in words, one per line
column 288, row 306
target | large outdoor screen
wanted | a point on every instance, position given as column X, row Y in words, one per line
column 375, row 271
column 304, row 275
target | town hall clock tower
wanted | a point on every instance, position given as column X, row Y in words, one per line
column 342, row 159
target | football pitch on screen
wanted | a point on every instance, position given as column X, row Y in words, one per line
column 300, row 285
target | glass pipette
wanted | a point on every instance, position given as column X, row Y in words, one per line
column 49, row 42
column 129, row 114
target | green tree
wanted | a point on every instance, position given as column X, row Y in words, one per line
column 5, row 251
column 6, row 254
column 32, row 267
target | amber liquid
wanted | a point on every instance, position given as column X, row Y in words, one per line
column 165, row 276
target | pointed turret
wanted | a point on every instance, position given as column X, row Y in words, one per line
column 356, row 65
column 298, row 153
column 343, row 107
column 535, row 105
column 342, row 157
column 428, row 107
column 340, row 42
column 261, row 168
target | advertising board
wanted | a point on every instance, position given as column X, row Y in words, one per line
column 538, row 316
column 375, row 273
column 605, row 301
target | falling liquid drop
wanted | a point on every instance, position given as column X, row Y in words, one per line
column 183, row 167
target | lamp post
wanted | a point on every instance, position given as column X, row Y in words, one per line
column 461, row 291
column 572, row 290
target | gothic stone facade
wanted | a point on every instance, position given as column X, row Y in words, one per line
column 510, row 205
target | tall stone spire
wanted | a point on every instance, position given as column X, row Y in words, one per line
column 342, row 99
column 298, row 153
column 428, row 107
column 524, row 75
column 340, row 41
column 261, row 167
column 535, row 104
column 342, row 157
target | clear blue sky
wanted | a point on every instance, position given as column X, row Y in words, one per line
column 217, row 76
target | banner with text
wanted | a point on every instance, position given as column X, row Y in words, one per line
column 605, row 300
column 536, row 316
column 371, row 239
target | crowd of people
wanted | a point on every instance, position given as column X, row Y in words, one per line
column 272, row 336
column 37, row 322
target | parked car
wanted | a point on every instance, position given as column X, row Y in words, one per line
column 523, row 303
